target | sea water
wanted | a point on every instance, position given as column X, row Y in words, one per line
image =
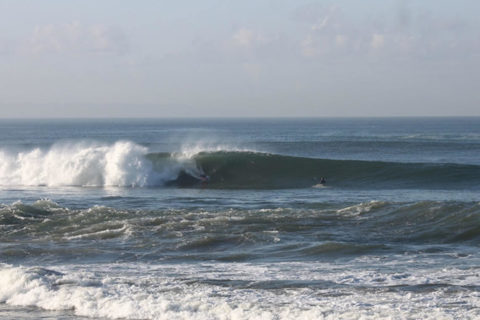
column 228, row 219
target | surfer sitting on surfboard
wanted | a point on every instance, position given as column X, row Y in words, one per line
column 323, row 181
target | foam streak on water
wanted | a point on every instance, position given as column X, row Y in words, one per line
column 247, row 291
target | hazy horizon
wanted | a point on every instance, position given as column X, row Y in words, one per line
column 225, row 59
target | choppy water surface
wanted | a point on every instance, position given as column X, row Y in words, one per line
column 227, row 219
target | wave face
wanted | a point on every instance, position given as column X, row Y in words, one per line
column 251, row 170
column 126, row 164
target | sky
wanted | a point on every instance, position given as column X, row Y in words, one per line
column 222, row 58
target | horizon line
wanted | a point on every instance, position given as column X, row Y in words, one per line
column 237, row 117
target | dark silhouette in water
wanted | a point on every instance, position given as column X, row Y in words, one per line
column 323, row 181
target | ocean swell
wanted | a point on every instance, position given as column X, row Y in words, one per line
column 126, row 164
column 40, row 231
column 254, row 170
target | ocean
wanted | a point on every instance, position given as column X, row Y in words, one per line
column 228, row 218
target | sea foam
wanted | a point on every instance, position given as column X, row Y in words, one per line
column 149, row 292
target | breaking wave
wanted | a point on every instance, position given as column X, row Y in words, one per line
column 80, row 164
column 126, row 164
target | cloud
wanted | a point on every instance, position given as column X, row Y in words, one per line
column 251, row 44
column 77, row 38
column 400, row 33
column 328, row 33
column 341, row 40
column 244, row 37
column 249, row 38
column 378, row 40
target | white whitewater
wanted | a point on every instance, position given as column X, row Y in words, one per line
column 78, row 164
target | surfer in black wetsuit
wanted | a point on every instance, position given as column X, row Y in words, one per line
column 323, row 181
